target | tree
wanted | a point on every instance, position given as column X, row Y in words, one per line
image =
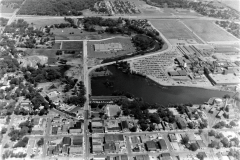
column 185, row 140
column 193, row 146
column 214, row 144
column 233, row 124
column 201, row 155
column 133, row 129
column 152, row 127
column 154, row 118
column 143, row 126
column 212, row 133
column 225, row 142
column 40, row 142
column 236, row 140
column 4, row 130
column 226, row 96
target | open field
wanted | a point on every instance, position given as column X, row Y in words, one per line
column 64, row 34
column 173, row 29
column 72, row 45
column 4, row 9
column 208, row 31
column 44, row 22
column 51, row 54
column 126, row 44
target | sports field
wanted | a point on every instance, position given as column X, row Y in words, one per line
column 72, row 45
column 125, row 42
column 209, row 31
column 173, row 29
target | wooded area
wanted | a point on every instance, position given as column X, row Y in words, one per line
column 60, row 7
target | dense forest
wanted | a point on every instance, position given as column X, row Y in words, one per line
column 56, row 7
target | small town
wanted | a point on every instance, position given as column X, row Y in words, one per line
column 119, row 80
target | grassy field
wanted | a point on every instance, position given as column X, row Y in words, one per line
column 63, row 34
column 126, row 44
column 4, row 9
column 43, row 22
column 208, row 31
column 72, row 45
column 51, row 54
column 56, row 46
column 173, row 29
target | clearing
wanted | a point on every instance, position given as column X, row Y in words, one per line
column 175, row 31
column 209, row 31
column 44, row 22
column 49, row 53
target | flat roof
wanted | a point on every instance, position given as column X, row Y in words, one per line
column 225, row 79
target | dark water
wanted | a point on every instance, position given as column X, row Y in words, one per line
column 151, row 92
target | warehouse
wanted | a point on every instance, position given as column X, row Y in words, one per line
column 107, row 47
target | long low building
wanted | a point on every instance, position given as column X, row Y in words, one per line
column 108, row 47
column 220, row 79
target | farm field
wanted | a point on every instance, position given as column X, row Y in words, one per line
column 4, row 9
column 126, row 44
column 72, row 45
column 208, row 31
column 174, row 30
column 44, row 22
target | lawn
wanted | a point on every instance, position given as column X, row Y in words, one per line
column 43, row 22
column 126, row 44
column 72, row 45
column 5, row 9
column 173, row 29
column 209, row 31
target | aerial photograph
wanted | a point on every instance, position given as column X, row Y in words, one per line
column 119, row 79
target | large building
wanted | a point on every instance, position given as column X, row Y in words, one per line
column 107, row 47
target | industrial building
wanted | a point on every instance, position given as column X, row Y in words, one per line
column 108, row 47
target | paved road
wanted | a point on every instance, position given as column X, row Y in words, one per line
column 126, row 16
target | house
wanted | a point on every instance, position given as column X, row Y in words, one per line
column 75, row 150
column 135, row 139
column 113, row 138
column 75, row 130
column 77, row 140
column 200, row 144
column 172, row 137
column 109, row 147
column 151, row 146
column 97, row 126
column 54, row 130
column 162, row 144
column 142, row 157
column 66, row 141
column 3, row 119
column 112, row 126
column 97, row 148
column 124, row 125
column 191, row 137
column 124, row 157
column 181, row 123
column 165, row 156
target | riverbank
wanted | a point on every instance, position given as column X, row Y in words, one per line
column 165, row 84
column 150, row 91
